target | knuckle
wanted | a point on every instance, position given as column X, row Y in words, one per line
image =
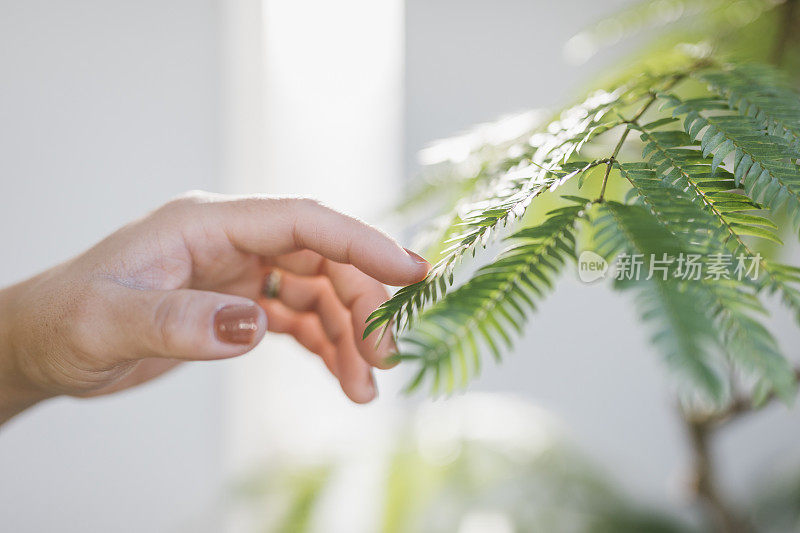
column 320, row 291
column 84, row 309
column 169, row 317
column 310, row 202
column 289, row 206
column 291, row 203
column 187, row 200
column 337, row 335
column 194, row 196
column 307, row 203
column 305, row 325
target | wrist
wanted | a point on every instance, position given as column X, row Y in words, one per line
column 17, row 392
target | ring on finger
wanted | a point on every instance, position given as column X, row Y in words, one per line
column 272, row 285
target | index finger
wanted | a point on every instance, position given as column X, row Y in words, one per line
column 271, row 226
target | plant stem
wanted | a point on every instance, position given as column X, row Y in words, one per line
column 650, row 100
column 701, row 428
column 738, row 407
column 611, row 161
column 721, row 517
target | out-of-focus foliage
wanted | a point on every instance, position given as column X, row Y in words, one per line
column 284, row 496
column 480, row 463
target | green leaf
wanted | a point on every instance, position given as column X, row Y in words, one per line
column 722, row 307
column 487, row 306
column 763, row 162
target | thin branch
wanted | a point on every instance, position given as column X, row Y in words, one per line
column 722, row 517
column 614, row 158
column 650, row 101
column 738, row 407
column 701, row 427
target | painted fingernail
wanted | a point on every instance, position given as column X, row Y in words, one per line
column 236, row 324
column 416, row 257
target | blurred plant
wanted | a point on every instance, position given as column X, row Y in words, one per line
column 713, row 175
column 486, row 463
column 285, row 495
column 478, row 464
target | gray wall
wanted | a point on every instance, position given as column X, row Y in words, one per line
column 107, row 108
column 584, row 356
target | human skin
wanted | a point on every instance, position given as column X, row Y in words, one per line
column 184, row 284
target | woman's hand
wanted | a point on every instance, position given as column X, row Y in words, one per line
column 185, row 283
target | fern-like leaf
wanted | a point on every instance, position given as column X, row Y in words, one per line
column 702, row 191
column 762, row 93
column 505, row 199
column 680, row 163
column 544, row 164
column 674, row 207
column 728, row 304
column 447, row 340
column 763, row 163
column 683, row 328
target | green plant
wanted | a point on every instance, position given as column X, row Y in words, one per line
column 690, row 151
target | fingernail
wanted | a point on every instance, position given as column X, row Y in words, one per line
column 416, row 257
column 236, row 324
column 389, row 348
column 372, row 387
column 388, row 364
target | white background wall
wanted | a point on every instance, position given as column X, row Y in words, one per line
column 107, row 109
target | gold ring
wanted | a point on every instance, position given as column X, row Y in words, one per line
column 272, row 284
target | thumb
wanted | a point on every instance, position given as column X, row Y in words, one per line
column 190, row 324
